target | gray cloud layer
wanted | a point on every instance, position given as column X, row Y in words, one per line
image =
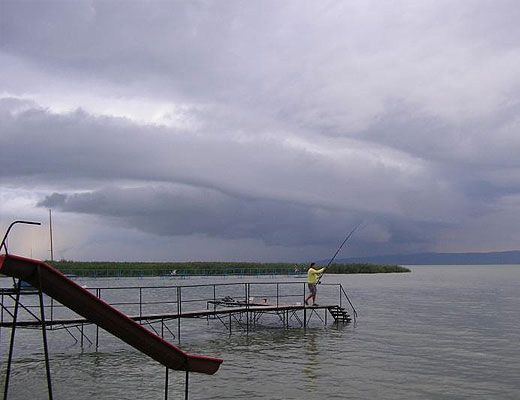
column 283, row 122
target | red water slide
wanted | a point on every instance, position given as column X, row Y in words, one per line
column 95, row 310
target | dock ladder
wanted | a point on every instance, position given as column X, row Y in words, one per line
column 339, row 314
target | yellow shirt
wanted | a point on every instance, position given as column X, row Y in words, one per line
column 312, row 274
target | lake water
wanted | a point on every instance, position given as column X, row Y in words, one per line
column 439, row 332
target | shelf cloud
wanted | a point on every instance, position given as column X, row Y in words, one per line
column 265, row 131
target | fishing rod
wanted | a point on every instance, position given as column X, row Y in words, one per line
column 339, row 249
column 332, row 259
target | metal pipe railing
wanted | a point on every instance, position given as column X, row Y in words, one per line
column 149, row 298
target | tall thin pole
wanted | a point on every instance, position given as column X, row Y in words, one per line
column 50, row 234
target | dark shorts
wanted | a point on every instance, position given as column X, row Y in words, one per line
column 312, row 287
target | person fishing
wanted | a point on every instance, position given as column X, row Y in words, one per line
column 313, row 276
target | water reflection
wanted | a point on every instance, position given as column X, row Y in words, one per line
column 435, row 333
column 312, row 361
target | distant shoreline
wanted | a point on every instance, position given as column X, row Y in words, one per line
column 498, row 258
column 180, row 269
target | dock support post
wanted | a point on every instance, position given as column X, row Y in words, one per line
column 52, row 310
column 2, row 309
column 98, row 295
column 166, row 385
column 179, row 311
column 247, row 308
column 214, row 297
column 81, row 332
column 277, row 294
column 304, row 309
column 140, row 305
column 326, row 310
column 187, row 385
column 339, row 294
column 11, row 344
column 44, row 334
column 97, row 337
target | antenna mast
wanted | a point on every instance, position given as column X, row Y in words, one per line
column 50, row 233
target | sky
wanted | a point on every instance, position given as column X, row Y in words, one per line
column 259, row 131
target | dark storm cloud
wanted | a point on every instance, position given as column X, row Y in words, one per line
column 323, row 65
column 286, row 122
column 190, row 48
column 182, row 210
column 55, row 200
column 78, row 145
column 479, row 141
column 254, row 189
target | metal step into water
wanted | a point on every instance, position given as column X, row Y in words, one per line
column 339, row 314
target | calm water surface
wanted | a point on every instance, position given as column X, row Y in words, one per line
column 440, row 332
